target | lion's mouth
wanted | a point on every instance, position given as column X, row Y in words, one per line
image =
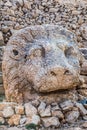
column 54, row 83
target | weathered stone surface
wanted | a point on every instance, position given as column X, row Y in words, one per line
column 23, row 120
column 83, row 111
column 84, row 31
column 14, row 120
column 19, row 109
column 2, row 120
column 84, row 68
column 14, row 128
column 84, row 125
column 4, row 105
column 8, row 112
column 45, row 112
column 33, row 48
column 1, row 39
column 34, row 119
column 50, row 121
column 84, row 52
column 30, row 110
column 67, row 105
column 72, row 116
column 58, row 114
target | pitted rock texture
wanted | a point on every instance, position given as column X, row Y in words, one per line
column 40, row 59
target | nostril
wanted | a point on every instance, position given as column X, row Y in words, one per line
column 66, row 72
column 52, row 73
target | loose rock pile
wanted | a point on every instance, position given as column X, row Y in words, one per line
column 41, row 114
column 21, row 13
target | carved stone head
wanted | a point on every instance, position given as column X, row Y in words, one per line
column 43, row 58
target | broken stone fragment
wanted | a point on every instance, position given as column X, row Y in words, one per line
column 1, row 39
column 72, row 116
column 84, row 68
column 57, row 113
column 30, row 110
column 19, row 109
column 14, row 120
column 7, row 104
column 50, row 121
column 66, row 106
column 45, row 112
column 33, row 119
column 83, row 111
column 8, row 112
column 2, row 120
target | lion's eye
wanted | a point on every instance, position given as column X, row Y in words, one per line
column 15, row 52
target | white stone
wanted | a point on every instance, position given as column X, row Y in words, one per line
column 14, row 128
column 8, row 112
column 72, row 116
column 23, row 120
column 30, row 110
column 46, row 112
column 8, row 3
column 34, row 119
column 1, row 37
column 2, row 120
column 58, row 114
column 83, row 111
column 19, row 109
column 42, row 106
column 67, row 105
column 50, row 121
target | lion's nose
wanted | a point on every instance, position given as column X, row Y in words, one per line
column 59, row 71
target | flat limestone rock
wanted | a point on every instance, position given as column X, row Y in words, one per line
column 40, row 60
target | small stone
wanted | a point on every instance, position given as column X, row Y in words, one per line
column 84, row 68
column 58, row 114
column 3, row 127
column 84, row 125
column 34, row 119
column 72, row 116
column 50, row 121
column 2, row 120
column 84, row 31
column 4, row 105
column 1, row 36
column 19, row 109
column 42, row 106
column 5, row 29
column 20, row 2
column 1, row 114
column 55, row 107
column 27, row 4
column 83, row 111
column 75, row 12
column 66, row 106
column 14, row 128
column 23, row 120
column 85, row 117
column 8, row 112
column 14, row 120
column 8, row 3
column 35, row 103
column 46, row 112
column 30, row 110
column 1, row 39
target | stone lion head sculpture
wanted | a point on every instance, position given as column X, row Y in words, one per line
column 40, row 59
